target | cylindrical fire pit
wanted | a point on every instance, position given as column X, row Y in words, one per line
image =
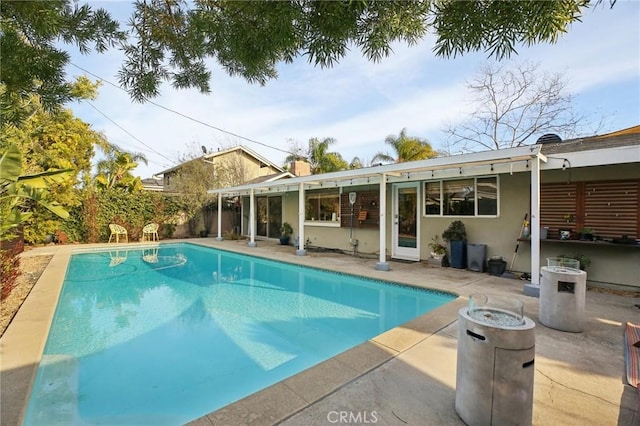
column 496, row 351
column 562, row 295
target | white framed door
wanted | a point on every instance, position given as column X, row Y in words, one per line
column 406, row 221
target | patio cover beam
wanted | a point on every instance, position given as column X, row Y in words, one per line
column 371, row 175
column 252, row 218
column 301, row 250
column 219, row 237
column 535, row 219
column 382, row 264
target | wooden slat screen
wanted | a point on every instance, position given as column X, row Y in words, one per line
column 558, row 207
column 611, row 208
column 366, row 201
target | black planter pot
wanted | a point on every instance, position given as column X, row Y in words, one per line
column 496, row 267
column 203, row 234
column 284, row 241
column 458, row 255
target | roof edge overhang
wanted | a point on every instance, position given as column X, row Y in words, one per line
column 212, row 155
column 593, row 157
column 473, row 164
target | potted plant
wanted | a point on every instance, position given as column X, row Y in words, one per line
column 437, row 248
column 496, row 265
column 456, row 235
column 586, row 233
column 285, row 231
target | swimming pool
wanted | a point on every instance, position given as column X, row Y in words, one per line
column 166, row 335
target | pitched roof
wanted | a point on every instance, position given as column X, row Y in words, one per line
column 212, row 155
column 269, row 178
column 624, row 137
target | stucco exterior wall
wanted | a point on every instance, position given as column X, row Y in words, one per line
column 498, row 233
column 333, row 237
column 615, row 265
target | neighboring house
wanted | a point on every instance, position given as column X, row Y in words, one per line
column 229, row 167
column 232, row 166
column 398, row 208
column 152, row 184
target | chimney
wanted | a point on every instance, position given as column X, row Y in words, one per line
column 300, row 168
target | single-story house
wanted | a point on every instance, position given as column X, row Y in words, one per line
column 394, row 211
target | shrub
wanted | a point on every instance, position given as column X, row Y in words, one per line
column 9, row 270
column 455, row 232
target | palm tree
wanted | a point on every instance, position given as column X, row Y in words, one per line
column 356, row 163
column 323, row 161
column 115, row 169
column 407, row 148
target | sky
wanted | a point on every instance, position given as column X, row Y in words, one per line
column 357, row 102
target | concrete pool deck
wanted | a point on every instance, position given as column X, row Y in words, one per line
column 404, row 376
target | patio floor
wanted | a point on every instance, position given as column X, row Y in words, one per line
column 404, row 376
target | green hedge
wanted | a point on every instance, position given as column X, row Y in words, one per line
column 90, row 222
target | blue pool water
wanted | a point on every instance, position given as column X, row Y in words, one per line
column 166, row 335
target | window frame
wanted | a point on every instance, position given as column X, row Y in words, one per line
column 475, row 197
column 323, row 193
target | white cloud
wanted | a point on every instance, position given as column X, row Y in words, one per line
column 360, row 103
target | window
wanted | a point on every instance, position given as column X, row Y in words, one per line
column 462, row 197
column 269, row 216
column 322, row 206
column 432, row 191
column 458, row 197
column 487, row 196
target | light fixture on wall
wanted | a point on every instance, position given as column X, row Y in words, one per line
column 491, row 167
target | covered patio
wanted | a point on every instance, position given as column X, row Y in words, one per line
column 507, row 161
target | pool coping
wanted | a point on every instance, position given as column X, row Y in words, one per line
column 26, row 337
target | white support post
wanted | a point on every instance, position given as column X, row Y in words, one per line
column 219, row 237
column 533, row 288
column 382, row 264
column 301, row 250
column 252, row 219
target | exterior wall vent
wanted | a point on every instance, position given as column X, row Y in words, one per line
column 549, row 138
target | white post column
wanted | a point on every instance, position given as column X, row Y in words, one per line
column 252, row 219
column 219, row 237
column 382, row 264
column 533, row 288
column 301, row 251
